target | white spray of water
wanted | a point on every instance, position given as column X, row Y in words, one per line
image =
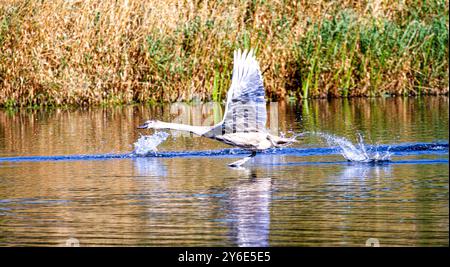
column 147, row 144
column 351, row 152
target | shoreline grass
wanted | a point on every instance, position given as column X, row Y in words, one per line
column 81, row 53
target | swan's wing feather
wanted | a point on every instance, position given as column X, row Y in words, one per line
column 245, row 110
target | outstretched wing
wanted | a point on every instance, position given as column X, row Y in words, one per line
column 245, row 110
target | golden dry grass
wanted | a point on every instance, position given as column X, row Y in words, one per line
column 68, row 52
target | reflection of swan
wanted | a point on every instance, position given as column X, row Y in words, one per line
column 250, row 213
column 244, row 122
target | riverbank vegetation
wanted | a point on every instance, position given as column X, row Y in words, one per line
column 69, row 52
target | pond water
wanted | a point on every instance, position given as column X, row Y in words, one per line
column 71, row 174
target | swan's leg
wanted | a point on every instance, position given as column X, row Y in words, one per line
column 242, row 161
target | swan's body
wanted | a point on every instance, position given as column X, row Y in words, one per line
column 244, row 122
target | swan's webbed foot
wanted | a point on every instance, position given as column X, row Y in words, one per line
column 240, row 162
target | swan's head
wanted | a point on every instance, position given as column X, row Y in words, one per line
column 150, row 124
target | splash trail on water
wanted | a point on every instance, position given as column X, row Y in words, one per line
column 405, row 149
column 356, row 153
column 146, row 146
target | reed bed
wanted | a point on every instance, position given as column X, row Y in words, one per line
column 69, row 52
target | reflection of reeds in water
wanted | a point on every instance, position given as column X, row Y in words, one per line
column 180, row 201
column 376, row 117
column 186, row 201
column 69, row 203
column 347, row 204
column 106, row 130
column 111, row 52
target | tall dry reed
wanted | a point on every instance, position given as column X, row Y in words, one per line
column 69, row 52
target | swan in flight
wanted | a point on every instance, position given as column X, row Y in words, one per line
column 244, row 121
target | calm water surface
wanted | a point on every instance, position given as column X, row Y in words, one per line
column 279, row 199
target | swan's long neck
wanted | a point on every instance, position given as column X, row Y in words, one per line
column 199, row 130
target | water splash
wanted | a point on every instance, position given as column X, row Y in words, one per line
column 147, row 144
column 357, row 153
column 400, row 150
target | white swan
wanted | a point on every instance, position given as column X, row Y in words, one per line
column 244, row 122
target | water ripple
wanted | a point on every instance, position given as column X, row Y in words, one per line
column 397, row 149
